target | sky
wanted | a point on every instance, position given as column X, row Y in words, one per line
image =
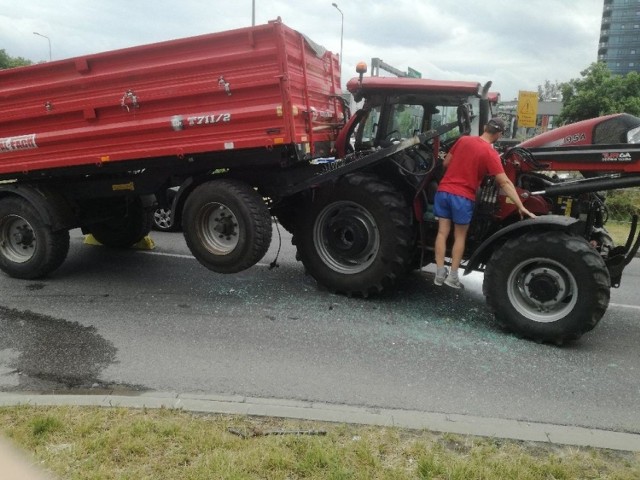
column 516, row 44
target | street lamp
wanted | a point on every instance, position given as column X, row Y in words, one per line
column 253, row 13
column 341, row 34
column 48, row 40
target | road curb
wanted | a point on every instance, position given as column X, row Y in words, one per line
column 266, row 407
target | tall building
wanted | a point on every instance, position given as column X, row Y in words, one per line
column 619, row 44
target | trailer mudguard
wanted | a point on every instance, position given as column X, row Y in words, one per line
column 50, row 205
column 538, row 224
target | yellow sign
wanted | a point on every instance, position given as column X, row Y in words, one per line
column 527, row 108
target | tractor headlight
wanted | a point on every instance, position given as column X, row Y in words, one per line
column 633, row 136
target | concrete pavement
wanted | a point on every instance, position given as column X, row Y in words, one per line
column 269, row 407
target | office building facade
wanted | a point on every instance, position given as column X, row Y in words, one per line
column 619, row 45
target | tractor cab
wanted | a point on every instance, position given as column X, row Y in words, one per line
column 399, row 108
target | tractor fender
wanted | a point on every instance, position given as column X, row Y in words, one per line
column 52, row 207
column 538, row 224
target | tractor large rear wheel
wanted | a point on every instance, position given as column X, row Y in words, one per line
column 548, row 286
column 357, row 236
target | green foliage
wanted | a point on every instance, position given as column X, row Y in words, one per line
column 599, row 92
column 549, row 92
column 622, row 204
column 7, row 61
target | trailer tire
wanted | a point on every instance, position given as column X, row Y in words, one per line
column 356, row 237
column 163, row 215
column 549, row 287
column 122, row 231
column 227, row 225
column 29, row 249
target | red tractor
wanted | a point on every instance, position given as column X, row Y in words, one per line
column 367, row 218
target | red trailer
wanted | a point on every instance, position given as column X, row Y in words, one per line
column 259, row 89
column 87, row 142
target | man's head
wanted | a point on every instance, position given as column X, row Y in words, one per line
column 495, row 126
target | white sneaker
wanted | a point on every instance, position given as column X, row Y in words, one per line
column 439, row 280
column 453, row 282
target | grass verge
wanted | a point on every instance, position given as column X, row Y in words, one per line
column 118, row 443
column 619, row 231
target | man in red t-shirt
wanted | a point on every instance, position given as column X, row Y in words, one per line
column 467, row 163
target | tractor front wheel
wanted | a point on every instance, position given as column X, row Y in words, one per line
column 548, row 286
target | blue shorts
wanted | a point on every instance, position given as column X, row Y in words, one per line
column 454, row 207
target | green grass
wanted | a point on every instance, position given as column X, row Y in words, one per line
column 117, row 443
column 619, row 231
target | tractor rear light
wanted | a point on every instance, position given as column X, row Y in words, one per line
column 633, row 136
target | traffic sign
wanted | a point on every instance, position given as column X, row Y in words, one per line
column 527, row 108
column 413, row 73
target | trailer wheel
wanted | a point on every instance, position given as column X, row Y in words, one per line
column 163, row 216
column 124, row 228
column 356, row 239
column 227, row 225
column 548, row 286
column 29, row 249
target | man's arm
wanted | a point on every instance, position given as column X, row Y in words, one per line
column 511, row 192
column 447, row 160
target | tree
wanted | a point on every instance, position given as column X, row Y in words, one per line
column 599, row 92
column 7, row 61
column 549, row 92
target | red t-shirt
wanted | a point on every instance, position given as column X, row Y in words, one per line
column 472, row 158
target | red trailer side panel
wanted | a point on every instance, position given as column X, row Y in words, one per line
column 250, row 88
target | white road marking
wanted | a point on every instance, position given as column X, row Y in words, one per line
column 162, row 254
column 622, row 305
column 182, row 255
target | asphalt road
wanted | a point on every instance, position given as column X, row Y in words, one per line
column 140, row 321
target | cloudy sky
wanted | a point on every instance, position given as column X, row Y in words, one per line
column 516, row 44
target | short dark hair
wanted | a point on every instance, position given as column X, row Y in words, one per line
column 496, row 125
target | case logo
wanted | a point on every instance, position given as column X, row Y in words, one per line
column 616, row 157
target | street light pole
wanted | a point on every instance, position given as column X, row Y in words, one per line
column 253, row 13
column 48, row 40
column 341, row 33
